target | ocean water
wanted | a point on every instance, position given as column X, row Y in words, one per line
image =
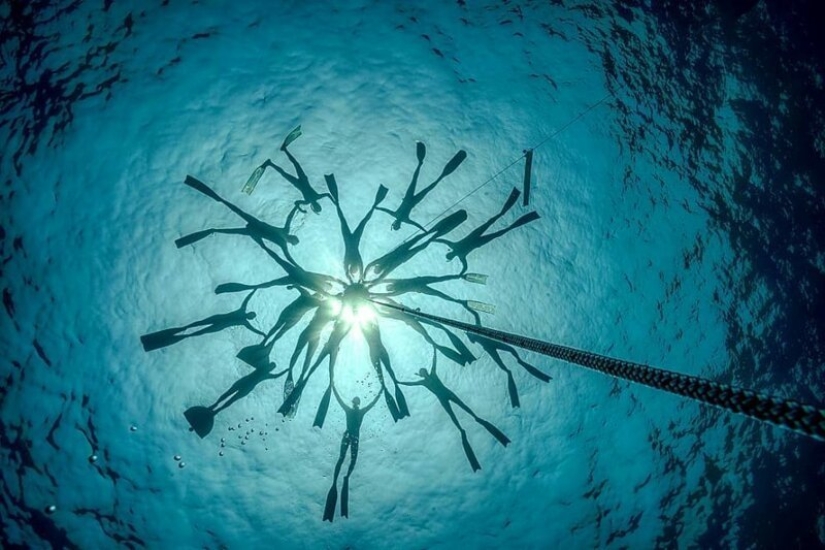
column 677, row 172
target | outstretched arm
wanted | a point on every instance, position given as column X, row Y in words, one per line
column 246, row 300
column 372, row 403
column 338, row 396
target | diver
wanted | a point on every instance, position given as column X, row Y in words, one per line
column 215, row 323
column 353, row 263
column 255, row 228
column 411, row 198
column 380, row 356
column 445, row 396
column 294, row 312
column 298, row 276
column 421, row 285
column 300, row 180
column 404, row 252
column 492, row 347
column 349, row 441
column 460, row 353
column 476, row 239
column 201, row 419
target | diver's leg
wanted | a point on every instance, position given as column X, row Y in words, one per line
column 345, row 487
column 332, row 495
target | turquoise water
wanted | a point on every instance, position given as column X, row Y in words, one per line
column 678, row 155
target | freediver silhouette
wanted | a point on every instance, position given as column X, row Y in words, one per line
column 339, row 331
column 308, row 339
column 255, row 228
column 476, row 238
column 300, row 277
column 421, row 285
column 460, row 353
column 239, row 287
column 292, row 314
column 350, row 439
column 445, row 396
column 404, row 252
column 492, row 347
column 411, row 198
column 381, row 357
column 201, row 419
column 215, row 323
column 300, row 180
column 353, row 263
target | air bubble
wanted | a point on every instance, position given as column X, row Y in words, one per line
column 92, row 459
column 177, row 457
column 181, row 464
column 50, row 509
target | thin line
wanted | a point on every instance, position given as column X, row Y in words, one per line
column 497, row 174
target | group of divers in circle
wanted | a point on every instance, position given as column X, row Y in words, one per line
column 362, row 285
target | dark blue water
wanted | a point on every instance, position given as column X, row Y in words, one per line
column 677, row 177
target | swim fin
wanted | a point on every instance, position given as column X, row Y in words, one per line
column 511, row 388
column 253, row 180
column 323, row 407
column 193, row 237
column 201, row 420
column 256, row 355
column 468, row 451
column 481, row 306
column 345, row 497
column 332, row 500
column 292, row 136
column 477, row 278
column 420, row 151
column 454, row 163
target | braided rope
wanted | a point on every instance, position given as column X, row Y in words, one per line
column 789, row 414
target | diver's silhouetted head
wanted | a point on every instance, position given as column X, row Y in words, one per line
column 250, row 315
column 316, row 207
column 396, row 225
column 450, row 255
column 422, row 373
column 292, row 239
column 356, row 402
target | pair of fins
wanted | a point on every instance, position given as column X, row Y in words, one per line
column 253, row 180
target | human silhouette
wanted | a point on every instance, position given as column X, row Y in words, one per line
column 421, row 285
column 404, row 252
column 215, row 323
column 445, row 396
column 300, row 181
column 201, row 419
column 353, row 264
column 339, row 331
column 411, row 198
column 492, row 347
column 254, row 227
column 292, row 314
column 380, row 357
column 308, row 339
column 349, row 441
column 300, row 277
column 476, row 238
column 460, row 353
column 238, row 287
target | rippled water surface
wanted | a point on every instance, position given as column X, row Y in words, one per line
column 677, row 169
